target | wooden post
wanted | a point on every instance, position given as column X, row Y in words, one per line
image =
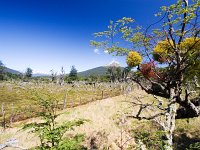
column 102, row 94
column 12, row 114
column 3, row 115
column 65, row 101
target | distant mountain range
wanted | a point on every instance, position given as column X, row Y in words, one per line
column 102, row 70
column 12, row 71
column 40, row 75
column 95, row 71
column 18, row 72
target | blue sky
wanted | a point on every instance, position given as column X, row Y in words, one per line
column 49, row 34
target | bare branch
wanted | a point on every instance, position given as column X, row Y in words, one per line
column 183, row 24
column 147, row 118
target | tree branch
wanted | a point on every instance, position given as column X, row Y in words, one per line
column 147, row 118
column 183, row 24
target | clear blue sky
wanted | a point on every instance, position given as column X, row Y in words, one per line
column 48, row 34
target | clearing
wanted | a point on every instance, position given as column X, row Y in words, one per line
column 102, row 130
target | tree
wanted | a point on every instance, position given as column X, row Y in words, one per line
column 62, row 76
column 175, row 45
column 1, row 64
column 93, row 78
column 118, row 73
column 28, row 72
column 125, row 73
column 115, row 73
column 110, row 71
column 2, row 73
column 53, row 75
column 73, row 75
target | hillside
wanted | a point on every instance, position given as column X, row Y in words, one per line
column 12, row 71
column 102, row 70
column 95, row 71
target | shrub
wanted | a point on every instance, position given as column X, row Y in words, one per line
column 150, row 135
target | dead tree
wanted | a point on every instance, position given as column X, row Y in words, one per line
column 62, row 76
column 53, row 76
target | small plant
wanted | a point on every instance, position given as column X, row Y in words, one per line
column 152, row 140
column 49, row 132
column 148, row 135
column 194, row 146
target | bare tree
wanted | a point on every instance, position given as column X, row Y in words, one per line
column 53, row 75
column 62, row 76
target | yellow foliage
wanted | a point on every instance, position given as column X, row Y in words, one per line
column 162, row 50
column 190, row 48
column 133, row 59
column 190, row 44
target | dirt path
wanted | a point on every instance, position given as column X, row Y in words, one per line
column 102, row 130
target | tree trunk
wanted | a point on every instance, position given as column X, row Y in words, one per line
column 170, row 121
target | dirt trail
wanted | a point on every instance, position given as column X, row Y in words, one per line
column 102, row 130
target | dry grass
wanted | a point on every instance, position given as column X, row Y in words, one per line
column 106, row 123
column 18, row 101
column 102, row 130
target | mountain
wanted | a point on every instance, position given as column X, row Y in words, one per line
column 102, row 70
column 40, row 75
column 113, row 64
column 95, row 71
column 12, row 71
column 17, row 72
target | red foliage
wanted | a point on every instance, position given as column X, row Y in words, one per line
column 148, row 70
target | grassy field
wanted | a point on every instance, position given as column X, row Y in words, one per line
column 18, row 99
column 108, row 129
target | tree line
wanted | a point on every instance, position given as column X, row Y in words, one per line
column 113, row 74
